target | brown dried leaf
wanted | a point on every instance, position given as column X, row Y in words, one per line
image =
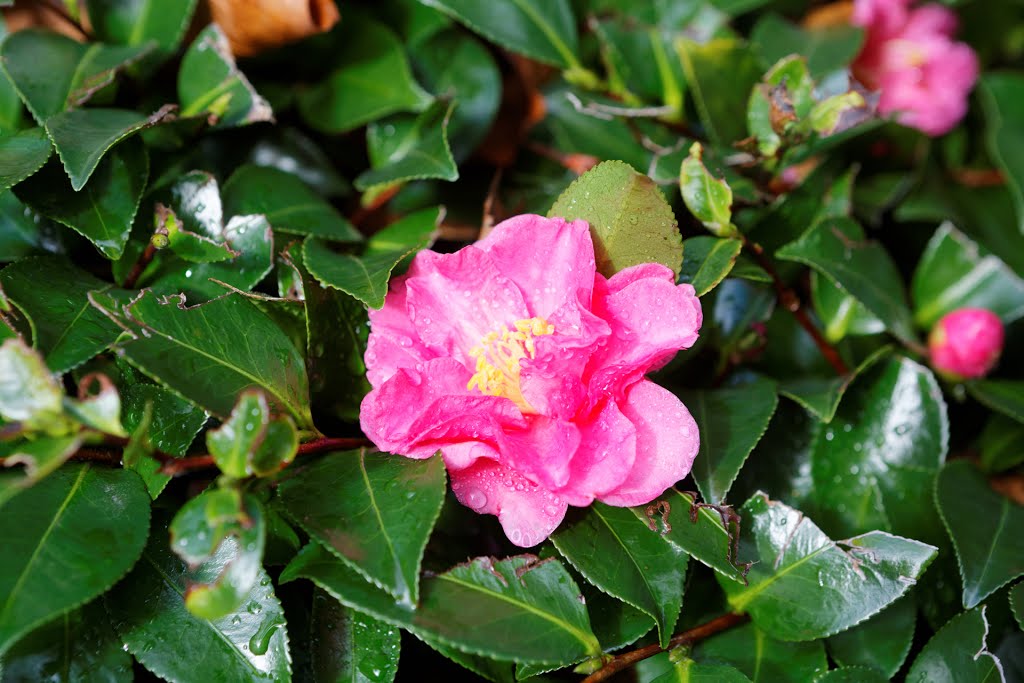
column 253, row 26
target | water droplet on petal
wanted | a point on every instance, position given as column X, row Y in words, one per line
column 475, row 498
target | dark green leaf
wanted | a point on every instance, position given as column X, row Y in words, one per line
column 630, row 221
column 837, row 248
column 840, row 313
column 803, row 586
column 287, row 202
column 516, row 609
column 349, row 646
column 1004, row 396
column 133, row 22
column 373, row 80
column 958, row 652
column 852, row 674
column 826, row 50
column 191, row 246
column 1017, row 603
column 52, row 72
column 689, row 671
column 210, row 84
column 720, row 74
column 708, row 198
column 485, row 667
column 104, row 209
column 1001, row 444
column 1004, row 110
column 888, row 440
column 880, row 643
column 545, row 31
column 616, row 552
column 28, row 461
column 249, row 441
column 707, row 261
column 821, row 396
column 731, row 422
column 19, row 229
column 615, row 623
column 148, row 610
column 366, row 277
column 410, row 148
column 53, row 294
column 22, row 154
column 576, row 129
column 985, row 528
column 955, row 272
column 630, row 51
column 78, row 646
column 29, row 394
column 762, row 658
column 67, row 539
column 211, row 352
column 375, row 512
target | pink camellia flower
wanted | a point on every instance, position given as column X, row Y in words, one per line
column 910, row 56
column 966, row 343
column 525, row 368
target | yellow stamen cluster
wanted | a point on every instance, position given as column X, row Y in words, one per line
column 498, row 357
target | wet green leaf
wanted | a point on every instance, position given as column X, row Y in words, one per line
column 410, row 148
column 821, row 396
column 374, row 511
column 881, row 643
column 209, row 83
column 840, row 313
column 26, row 462
column 958, row 652
column 351, row 646
column 708, row 198
column 707, row 261
column 250, row 441
column 29, row 394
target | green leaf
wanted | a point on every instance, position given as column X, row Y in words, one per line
column 1017, row 603
column 784, row 96
column 1004, row 112
column 837, row 248
column 410, row 148
column 821, row 396
column 762, row 658
column 190, row 246
column 955, row 272
column 852, row 674
column 209, row 83
column 985, row 530
column 20, row 233
column 621, row 556
column 53, row 295
column 454, row 63
column 98, row 406
column 27, row 462
column 52, row 72
column 881, row 643
column 522, row 610
column 148, row 610
column 22, row 154
column 485, row 667
column 720, row 74
column 630, row 221
column 574, row 128
column 104, row 209
column 67, row 539
column 373, row 80
column 545, row 31
column 689, row 671
column 707, row 261
column 958, row 652
column 1003, row 396
column 29, row 394
column 366, row 277
column 1001, row 444
column 287, row 202
column 731, row 422
column 629, row 50
column 375, row 512
column 351, row 646
column 889, row 438
column 826, row 50
column 78, row 646
column 173, row 424
column 709, row 199
column 699, row 533
column 615, row 623
column 211, row 352
column 840, row 313
column 134, row 22
column 803, row 586
column 250, row 441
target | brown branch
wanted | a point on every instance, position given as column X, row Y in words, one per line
column 791, row 302
column 322, row 445
column 689, row 637
column 140, row 266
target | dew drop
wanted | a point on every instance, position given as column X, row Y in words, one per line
column 475, row 498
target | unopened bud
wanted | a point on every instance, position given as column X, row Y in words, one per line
column 966, row 343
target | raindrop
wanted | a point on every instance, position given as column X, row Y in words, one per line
column 475, row 498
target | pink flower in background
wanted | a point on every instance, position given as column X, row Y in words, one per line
column 910, row 56
column 966, row 343
column 525, row 368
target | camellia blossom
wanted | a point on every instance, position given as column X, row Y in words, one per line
column 910, row 56
column 525, row 368
column 966, row 343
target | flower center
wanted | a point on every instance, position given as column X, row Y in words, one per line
column 498, row 357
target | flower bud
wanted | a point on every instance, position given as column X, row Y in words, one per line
column 966, row 343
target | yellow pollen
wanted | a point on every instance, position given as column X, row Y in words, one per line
column 498, row 357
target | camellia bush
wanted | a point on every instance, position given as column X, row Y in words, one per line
column 522, row 339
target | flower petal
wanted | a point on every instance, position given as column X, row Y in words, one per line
column 527, row 512
column 394, row 342
column 604, row 458
column 543, row 450
column 666, row 444
column 558, row 265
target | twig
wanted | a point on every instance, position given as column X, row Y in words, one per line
column 488, row 219
column 791, row 302
column 140, row 265
column 693, row 635
column 323, row 445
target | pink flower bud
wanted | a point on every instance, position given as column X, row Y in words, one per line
column 966, row 343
